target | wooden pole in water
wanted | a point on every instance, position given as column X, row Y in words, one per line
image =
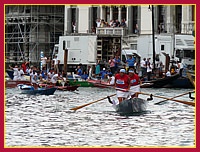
column 65, row 60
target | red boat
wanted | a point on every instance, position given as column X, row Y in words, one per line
column 13, row 84
column 67, row 88
column 63, row 88
column 101, row 84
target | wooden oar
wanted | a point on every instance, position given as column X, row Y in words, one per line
column 180, row 101
column 79, row 107
column 174, row 97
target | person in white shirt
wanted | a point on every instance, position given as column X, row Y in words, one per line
column 44, row 61
column 50, row 74
column 149, row 71
column 21, row 74
column 34, row 78
column 90, row 72
column 56, row 64
column 98, row 22
column 16, row 72
column 168, row 74
column 143, row 66
column 111, row 79
column 55, row 78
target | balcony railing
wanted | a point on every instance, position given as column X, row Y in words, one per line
column 112, row 31
column 183, row 28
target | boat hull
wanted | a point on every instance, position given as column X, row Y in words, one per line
column 13, row 84
column 131, row 106
column 161, row 82
column 80, row 83
column 67, row 88
column 181, row 82
column 39, row 91
column 100, row 84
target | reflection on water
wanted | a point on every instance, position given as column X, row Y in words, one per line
column 48, row 120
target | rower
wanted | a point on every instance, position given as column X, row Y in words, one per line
column 122, row 84
column 134, row 83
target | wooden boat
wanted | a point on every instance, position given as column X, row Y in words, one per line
column 191, row 77
column 181, row 82
column 67, row 88
column 63, row 88
column 27, row 89
column 161, row 82
column 132, row 106
column 103, row 84
column 13, row 84
column 10, row 83
column 80, row 83
column 100, row 83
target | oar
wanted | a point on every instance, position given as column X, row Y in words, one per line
column 79, row 107
column 180, row 101
column 173, row 97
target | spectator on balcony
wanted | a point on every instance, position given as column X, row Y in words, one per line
column 103, row 24
column 98, row 22
column 111, row 23
column 106, row 24
column 136, row 29
column 117, row 23
column 123, row 23
column 93, row 30
column 74, row 27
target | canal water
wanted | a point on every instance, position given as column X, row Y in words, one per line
column 43, row 121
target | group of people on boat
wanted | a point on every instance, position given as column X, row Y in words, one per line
column 37, row 76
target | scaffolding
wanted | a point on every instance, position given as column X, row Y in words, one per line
column 31, row 30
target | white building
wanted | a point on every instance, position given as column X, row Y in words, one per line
column 182, row 17
column 31, row 29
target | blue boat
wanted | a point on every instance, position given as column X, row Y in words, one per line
column 26, row 89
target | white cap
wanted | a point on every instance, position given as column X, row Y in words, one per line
column 123, row 70
column 131, row 71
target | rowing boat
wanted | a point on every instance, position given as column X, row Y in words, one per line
column 63, row 88
column 130, row 106
column 160, row 82
column 30, row 90
column 100, row 83
column 14, row 83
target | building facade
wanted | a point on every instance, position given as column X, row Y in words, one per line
column 32, row 29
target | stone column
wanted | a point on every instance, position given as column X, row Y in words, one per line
column 130, row 19
column 127, row 19
column 111, row 13
column 119, row 13
column 101, row 12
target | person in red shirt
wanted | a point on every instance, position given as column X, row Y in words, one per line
column 24, row 65
column 122, row 84
column 134, row 83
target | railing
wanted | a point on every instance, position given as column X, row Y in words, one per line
column 183, row 28
column 112, row 31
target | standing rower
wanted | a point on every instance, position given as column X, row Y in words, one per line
column 134, row 83
column 122, row 84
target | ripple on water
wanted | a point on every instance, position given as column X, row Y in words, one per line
column 48, row 120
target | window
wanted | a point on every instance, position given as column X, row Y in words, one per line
column 162, row 48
